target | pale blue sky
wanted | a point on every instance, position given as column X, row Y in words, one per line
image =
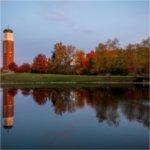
column 38, row 25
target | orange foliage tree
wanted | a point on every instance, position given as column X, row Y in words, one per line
column 24, row 68
column 90, row 63
column 13, row 67
column 80, row 62
column 40, row 64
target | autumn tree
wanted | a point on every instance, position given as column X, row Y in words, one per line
column 40, row 64
column 90, row 63
column 131, row 58
column 80, row 62
column 143, row 57
column 117, row 63
column 25, row 67
column 13, row 67
column 137, row 57
column 61, row 59
column 101, row 59
column 109, row 58
column 115, row 57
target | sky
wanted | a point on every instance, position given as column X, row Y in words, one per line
column 38, row 25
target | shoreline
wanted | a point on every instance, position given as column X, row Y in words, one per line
column 63, row 83
column 31, row 79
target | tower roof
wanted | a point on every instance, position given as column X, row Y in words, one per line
column 8, row 30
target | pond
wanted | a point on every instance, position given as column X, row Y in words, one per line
column 63, row 117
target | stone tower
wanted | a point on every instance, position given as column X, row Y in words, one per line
column 8, row 48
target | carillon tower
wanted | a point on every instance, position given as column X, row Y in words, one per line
column 8, row 48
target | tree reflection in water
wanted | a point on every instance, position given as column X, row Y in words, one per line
column 108, row 102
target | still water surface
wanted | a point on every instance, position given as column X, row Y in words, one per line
column 106, row 117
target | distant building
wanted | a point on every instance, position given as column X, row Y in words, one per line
column 8, row 48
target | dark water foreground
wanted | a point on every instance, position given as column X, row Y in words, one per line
column 106, row 117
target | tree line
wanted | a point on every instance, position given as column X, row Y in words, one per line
column 106, row 59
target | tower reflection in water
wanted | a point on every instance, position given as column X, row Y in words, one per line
column 8, row 108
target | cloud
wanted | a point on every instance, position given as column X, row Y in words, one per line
column 62, row 17
column 58, row 16
column 88, row 31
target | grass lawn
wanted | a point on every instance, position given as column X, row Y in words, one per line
column 48, row 79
